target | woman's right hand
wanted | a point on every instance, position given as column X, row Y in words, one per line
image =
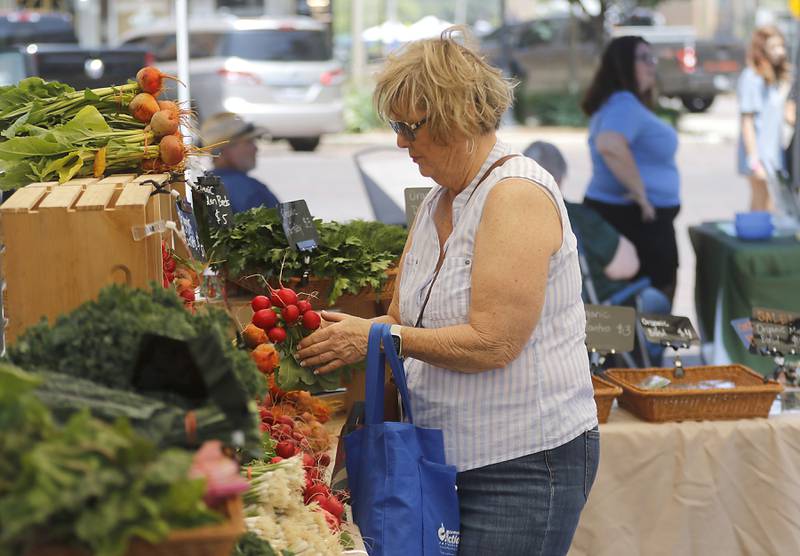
column 648, row 210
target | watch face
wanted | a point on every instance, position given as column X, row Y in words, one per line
column 396, row 342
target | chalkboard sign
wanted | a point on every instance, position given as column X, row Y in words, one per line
column 775, row 331
column 663, row 329
column 298, row 225
column 771, row 338
column 414, row 197
column 610, row 328
column 215, row 198
column 189, row 227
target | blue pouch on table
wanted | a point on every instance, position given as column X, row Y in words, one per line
column 403, row 494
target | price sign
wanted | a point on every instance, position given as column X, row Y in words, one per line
column 610, row 328
column 298, row 225
column 414, row 197
column 773, row 338
column 775, row 331
column 189, row 227
column 663, row 329
column 215, row 197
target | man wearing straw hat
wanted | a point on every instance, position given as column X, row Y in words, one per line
column 235, row 156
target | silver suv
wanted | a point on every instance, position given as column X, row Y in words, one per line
column 275, row 72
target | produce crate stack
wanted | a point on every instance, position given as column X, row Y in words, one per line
column 66, row 242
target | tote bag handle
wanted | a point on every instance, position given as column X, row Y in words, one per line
column 376, row 375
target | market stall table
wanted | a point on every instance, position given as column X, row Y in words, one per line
column 709, row 487
column 732, row 277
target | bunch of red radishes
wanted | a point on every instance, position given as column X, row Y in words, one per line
column 163, row 119
column 291, row 442
column 283, row 315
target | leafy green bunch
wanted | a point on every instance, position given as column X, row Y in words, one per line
column 353, row 255
column 88, row 484
column 100, row 340
column 82, row 146
column 34, row 102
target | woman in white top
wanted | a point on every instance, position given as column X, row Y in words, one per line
column 488, row 309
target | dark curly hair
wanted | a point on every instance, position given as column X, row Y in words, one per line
column 616, row 73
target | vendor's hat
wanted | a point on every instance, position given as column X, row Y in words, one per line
column 227, row 126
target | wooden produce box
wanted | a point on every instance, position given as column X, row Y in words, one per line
column 66, row 242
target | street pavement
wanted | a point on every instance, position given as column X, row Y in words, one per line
column 330, row 181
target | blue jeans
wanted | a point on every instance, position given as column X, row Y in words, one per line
column 527, row 506
column 652, row 300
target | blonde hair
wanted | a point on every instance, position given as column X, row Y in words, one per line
column 757, row 55
column 459, row 93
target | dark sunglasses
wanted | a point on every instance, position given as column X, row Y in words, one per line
column 408, row 131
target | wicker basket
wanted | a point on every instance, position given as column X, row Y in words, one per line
column 752, row 397
column 604, row 394
column 213, row 540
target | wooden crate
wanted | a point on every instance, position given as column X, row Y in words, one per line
column 66, row 242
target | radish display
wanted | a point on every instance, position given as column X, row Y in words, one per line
column 300, row 438
column 286, row 319
column 260, row 302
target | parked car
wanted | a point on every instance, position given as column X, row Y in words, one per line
column 78, row 67
column 275, row 72
column 43, row 44
column 693, row 70
column 27, row 26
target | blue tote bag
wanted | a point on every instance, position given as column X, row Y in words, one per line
column 403, row 494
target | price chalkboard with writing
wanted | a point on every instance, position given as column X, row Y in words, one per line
column 771, row 338
column 610, row 328
column 215, row 198
column 775, row 331
column 664, row 329
column 414, row 197
column 189, row 227
column 298, row 225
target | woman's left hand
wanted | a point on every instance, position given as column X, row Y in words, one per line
column 343, row 340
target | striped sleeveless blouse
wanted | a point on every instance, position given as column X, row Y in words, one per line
column 542, row 399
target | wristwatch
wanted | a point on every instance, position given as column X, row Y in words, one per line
column 397, row 339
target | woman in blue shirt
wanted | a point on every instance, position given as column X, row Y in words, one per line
column 635, row 183
column 761, row 92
